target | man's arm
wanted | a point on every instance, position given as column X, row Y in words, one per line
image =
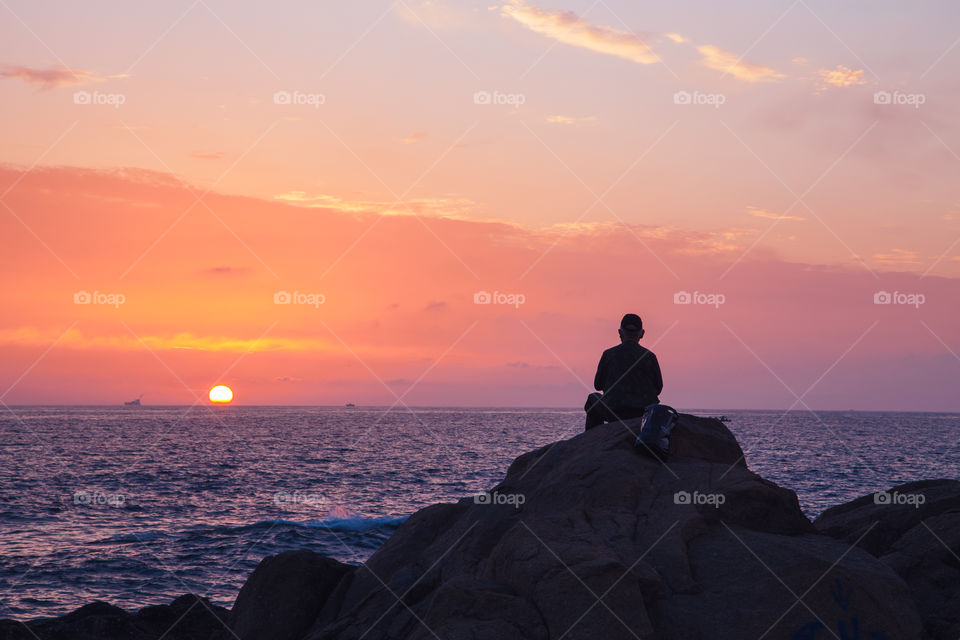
column 657, row 376
column 598, row 378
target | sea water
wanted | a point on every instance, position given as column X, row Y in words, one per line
column 137, row 505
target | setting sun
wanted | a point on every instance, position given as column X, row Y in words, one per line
column 221, row 394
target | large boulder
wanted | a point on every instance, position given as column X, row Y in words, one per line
column 914, row 529
column 877, row 520
column 589, row 538
column 284, row 595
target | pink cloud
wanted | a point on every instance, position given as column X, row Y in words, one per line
column 51, row 77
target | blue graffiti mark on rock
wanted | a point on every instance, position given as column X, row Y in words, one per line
column 847, row 627
column 841, row 596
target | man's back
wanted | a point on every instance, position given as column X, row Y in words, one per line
column 629, row 376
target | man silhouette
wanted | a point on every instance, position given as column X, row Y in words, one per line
column 628, row 375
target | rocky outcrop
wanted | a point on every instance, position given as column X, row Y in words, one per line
column 589, row 538
column 914, row 529
column 189, row 617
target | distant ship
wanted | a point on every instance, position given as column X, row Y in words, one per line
column 134, row 403
column 350, row 404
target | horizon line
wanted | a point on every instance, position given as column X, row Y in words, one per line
column 439, row 406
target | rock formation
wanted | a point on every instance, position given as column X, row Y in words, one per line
column 189, row 617
column 589, row 538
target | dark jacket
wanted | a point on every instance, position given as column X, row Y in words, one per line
column 629, row 376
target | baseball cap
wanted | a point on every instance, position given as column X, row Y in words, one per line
column 631, row 322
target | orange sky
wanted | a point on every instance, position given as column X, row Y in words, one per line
column 184, row 164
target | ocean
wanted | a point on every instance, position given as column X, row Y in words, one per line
column 137, row 505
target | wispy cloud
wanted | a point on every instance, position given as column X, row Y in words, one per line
column 728, row 62
column 226, row 271
column 442, row 207
column 569, row 28
column 182, row 341
column 757, row 212
column 414, row 137
column 53, row 77
column 522, row 364
column 208, row 155
column 571, row 120
column 897, row 257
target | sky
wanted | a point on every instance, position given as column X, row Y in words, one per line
column 428, row 202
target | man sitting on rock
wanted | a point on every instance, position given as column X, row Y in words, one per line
column 628, row 375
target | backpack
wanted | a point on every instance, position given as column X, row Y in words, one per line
column 657, row 422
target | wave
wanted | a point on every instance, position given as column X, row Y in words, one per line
column 122, row 538
column 343, row 524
